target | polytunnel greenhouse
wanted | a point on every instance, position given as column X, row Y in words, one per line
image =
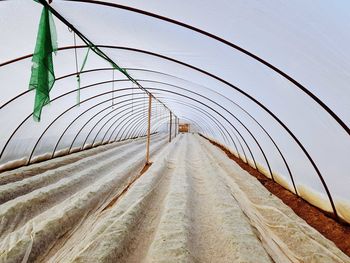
column 174, row 131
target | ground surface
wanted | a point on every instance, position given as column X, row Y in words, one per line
column 338, row 232
column 193, row 204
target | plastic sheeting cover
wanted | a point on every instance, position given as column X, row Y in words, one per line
column 307, row 41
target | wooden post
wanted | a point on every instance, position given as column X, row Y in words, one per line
column 177, row 126
column 149, row 127
column 170, row 124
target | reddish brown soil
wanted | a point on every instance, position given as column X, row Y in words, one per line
column 338, row 232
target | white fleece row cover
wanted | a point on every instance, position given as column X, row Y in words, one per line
column 267, row 79
column 193, row 204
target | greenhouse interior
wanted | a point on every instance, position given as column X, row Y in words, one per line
column 174, row 131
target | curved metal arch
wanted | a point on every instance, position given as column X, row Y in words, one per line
column 70, row 147
column 193, row 106
column 192, row 122
column 215, row 121
column 136, row 131
column 65, row 77
column 131, row 127
column 219, row 114
column 155, row 127
column 68, row 109
column 242, row 92
column 140, row 126
column 100, row 69
column 81, row 114
column 58, row 97
column 221, row 128
column 217, row 104
column 289, row 171
column 162, row 119
column 131, row 133
column 227, row 43
column 202, row 119
column 123, row 126
column 239, row 90
column 105, row 82
column 91, row 130
column 236, row 104
column 226, row 120
column 125, row 118
column 120, row 130
column 165, row 121
column 127, row 122
column 158, row 125
column 280, row 153
column 285, row 127
column 102, row 128
column 128, row 116
column 204, row 112
column 94, row 127
column 86, row 138
column 141, row 135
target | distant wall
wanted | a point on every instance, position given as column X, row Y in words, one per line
column 184, row 127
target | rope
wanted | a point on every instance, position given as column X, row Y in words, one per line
column 76, row 67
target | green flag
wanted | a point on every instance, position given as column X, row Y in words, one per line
column 43, row 76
